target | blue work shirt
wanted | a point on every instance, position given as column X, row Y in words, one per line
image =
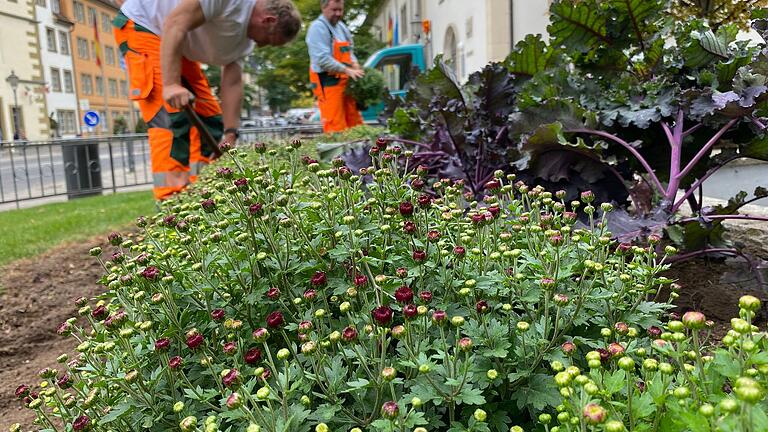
column 319, row 40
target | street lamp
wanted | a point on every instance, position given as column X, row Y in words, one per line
column 13, row 80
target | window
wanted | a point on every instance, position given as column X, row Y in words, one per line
column 86, row 84
column 79, row 12
column 91, row 16
column 395, row 69
column 106, row 22
column 40, row 3
column 449, row 50
column 404, row 23
column 104, row 121
column 82, row 48
column 68, row 87
column 63, row 42
column 56, row 6
column 67, row 123
column 469, row 27
column 99, row 86
column 93, row 51
column 109, row 54
column 50, row 35
column 112, row 87
column 55, row 80
column 124, row 89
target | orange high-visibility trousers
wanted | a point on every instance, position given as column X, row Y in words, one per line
column 338, row 111
column 175, row 149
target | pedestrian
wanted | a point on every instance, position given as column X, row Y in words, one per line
column 164, row 42
column 333, row 63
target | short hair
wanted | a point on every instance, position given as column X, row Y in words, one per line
column 288, row 18
column 324, row 3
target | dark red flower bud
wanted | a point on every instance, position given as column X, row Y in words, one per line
column 349, row 334
column 402, row 272
column 404, row 294
column 409, row 227
column 305, row 327
column 439, row 317
column 409, row 311
column 360, row 280
column 252, row 356
column 273, row 293
column 605, row 355
column 382, row 315
column 310, row 294
column 419, row 255
column 267, row 373
column 225, row 172
column 616, row 349
column 425, row 296
column 231, row 379
column 195, row 340
column 569, row 217
column 208, row 205
column 654, row 331
column 169, row 221
column 175, row 362
column 22, row 391
column 255, row 209
column 241, row 183
column 493, row 186
column 218, row 314
column 162, row 344
column 99, row 313
column 482, row 307
column 275, row 319
column 621, row 328
column 229, row 348
column 568, row 347
column 318, row 279
column 64, row 329
column 433, row 236
column 422, row 170
column 494, row 211
column 64, row 382
column 151, row 273
column 459, row 251
column 261, row 334
column 424, row 200
column 406, row 209
column 115, row 238
column 390, row 410
column 417, row 184
column 81, row 423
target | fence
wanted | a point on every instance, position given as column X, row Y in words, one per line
column 76, row 167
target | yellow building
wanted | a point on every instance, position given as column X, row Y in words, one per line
column 23, row 113
column 102, row 84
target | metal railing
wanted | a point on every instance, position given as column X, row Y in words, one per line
column 76, row 167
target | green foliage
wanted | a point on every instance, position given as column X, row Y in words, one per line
column 120, row 125
column 682, row 381
column 283, row 294
column 141, row 126
column 368, row 90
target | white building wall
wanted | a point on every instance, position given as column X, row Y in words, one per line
column 61, row 100
column 530, row 17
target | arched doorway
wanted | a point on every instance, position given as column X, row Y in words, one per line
column 450, row 51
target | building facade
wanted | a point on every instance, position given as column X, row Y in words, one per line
column 467, row 34
column 102, row 80
column 54, row 30
column 23, row 112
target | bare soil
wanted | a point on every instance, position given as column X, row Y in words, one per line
column 39, row 294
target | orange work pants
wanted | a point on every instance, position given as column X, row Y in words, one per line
column 175, row 149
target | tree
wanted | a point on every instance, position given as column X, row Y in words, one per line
column 718, row 12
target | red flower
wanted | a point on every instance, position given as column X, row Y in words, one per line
column 360, row 280
column 417, row 184
column 162, row 344
column 255, row 209
column 217, row 314
column 568, row 347
column 175, row 362
column 229, row 348
column 231, row 378
column 275, row 319
column 115, row 238
column 305, row 327
column 382, row 315
column 424, row 200
column 81, row 423
column 260, row 334
column 616, row 349
column 419, row 255
column 195, row 340
column 433, row 236
column 409, row 311
column 409, row 227
column 273, row 293
column 99, row 313
column 64, row 329
column 439, row 316
column 402, row 272
column 404, row 294
column 310, row 294
column 494, row 211
column 425, row 296
column 349, row 334
column 252, row 356
column 493, row 185
column 482, row 307
column 318, row 279
column 654, row 332
column 64, row 382
column 406, row 209
column 390, row 410
column 22, row 391
column 151, row 273
column 459, row 251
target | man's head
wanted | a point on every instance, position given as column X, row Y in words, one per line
column 333, row 10
column 274, row 22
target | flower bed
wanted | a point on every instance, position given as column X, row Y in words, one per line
column 282, row 295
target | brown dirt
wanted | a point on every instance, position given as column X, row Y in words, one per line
column 37, row 296
column 39, row 293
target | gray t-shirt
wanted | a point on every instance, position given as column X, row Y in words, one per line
column 319, row 40
column 223, row 37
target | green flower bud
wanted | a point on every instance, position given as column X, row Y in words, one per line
column 178, row 407
column 492, row 374
column 283, row 354
column 262, row 393
column 480, row 415
column 188, row 424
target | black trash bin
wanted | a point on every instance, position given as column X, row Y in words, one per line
column 82, row 168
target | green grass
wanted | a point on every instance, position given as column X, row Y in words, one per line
column 31, row 231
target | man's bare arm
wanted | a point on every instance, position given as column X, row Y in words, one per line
column 185, row 17
column 231, row 96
